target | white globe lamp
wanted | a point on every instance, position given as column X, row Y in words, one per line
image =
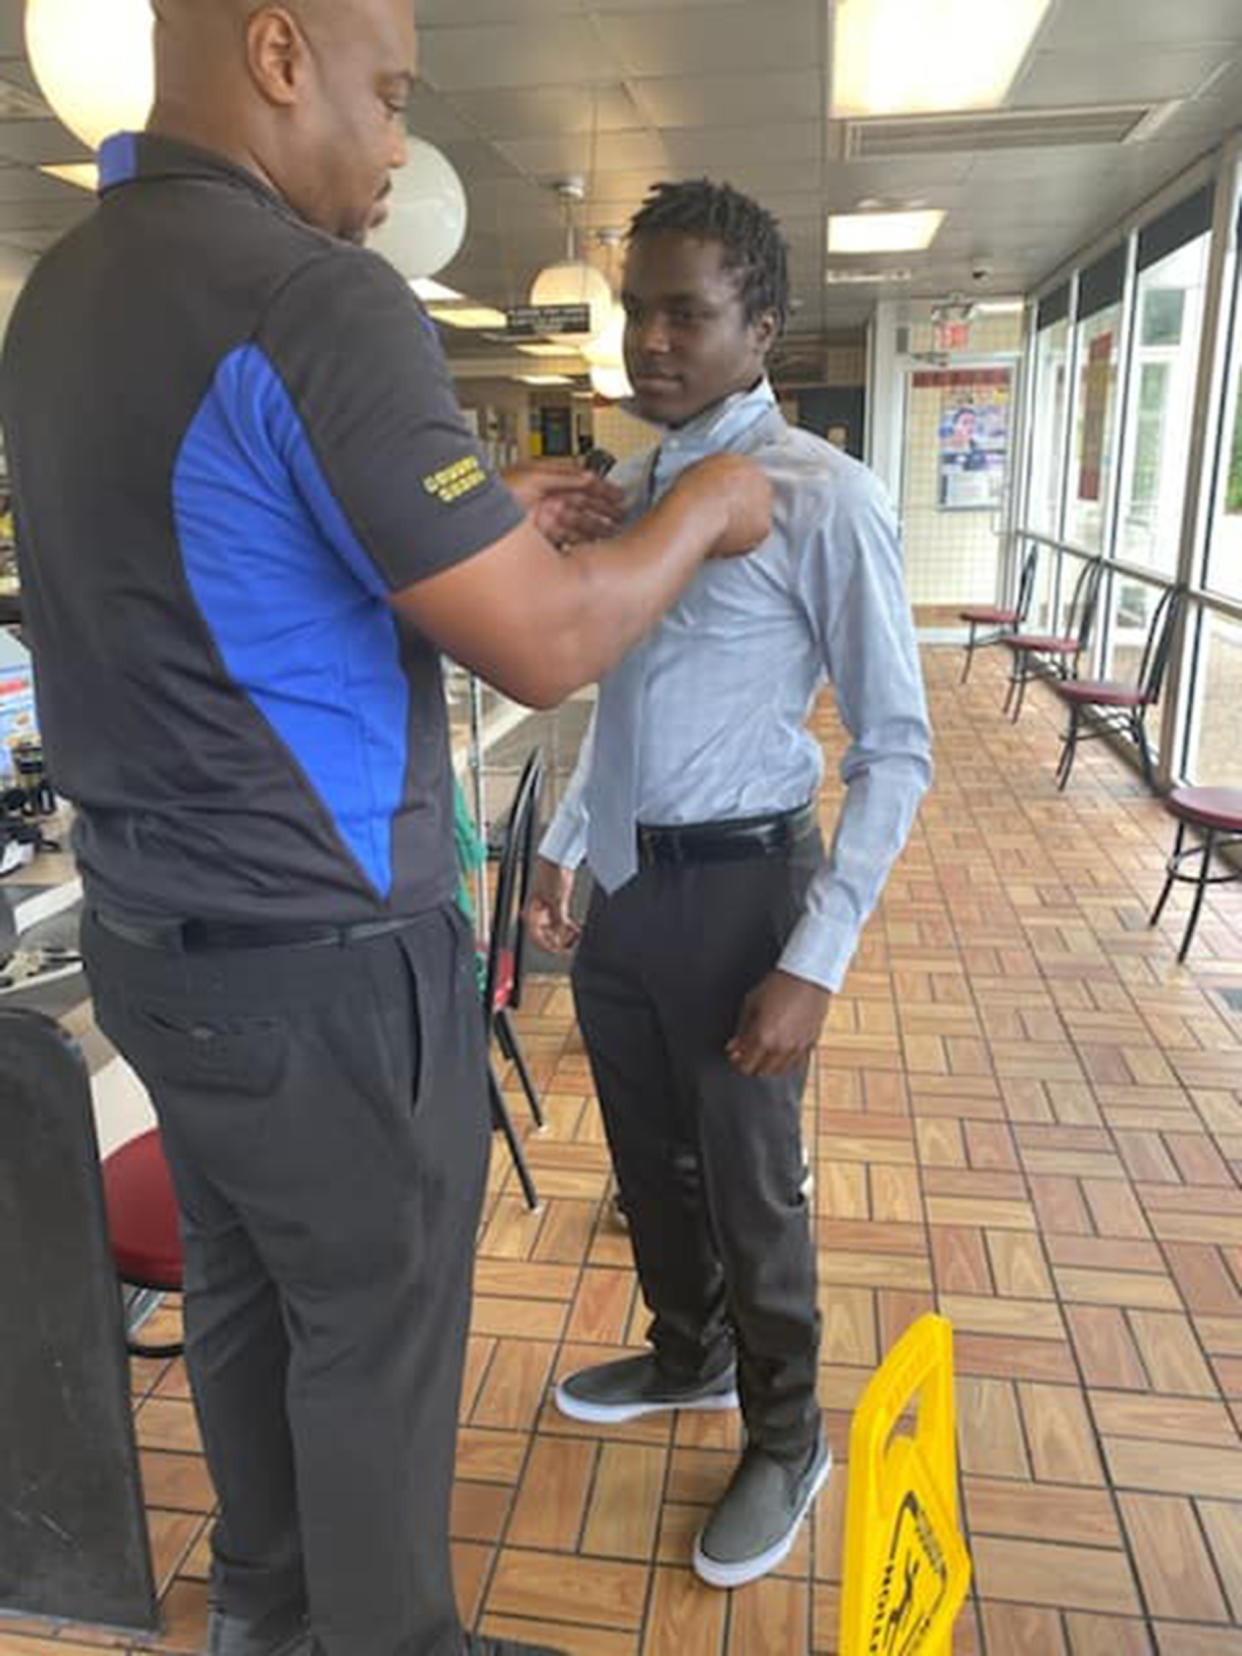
column 573, row 282
column 427, row 214
column 94, row 61
column 613, row 384
column 607, row 349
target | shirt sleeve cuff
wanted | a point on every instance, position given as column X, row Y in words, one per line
column 820, row 952
column 564, row 843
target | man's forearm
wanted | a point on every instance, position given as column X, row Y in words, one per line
column 881, row 803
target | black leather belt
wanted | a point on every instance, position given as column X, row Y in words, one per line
column 710, row 842
column 209, row 936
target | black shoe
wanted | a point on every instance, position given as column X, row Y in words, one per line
column 477, row 1645
column 633, row 1387
column 232, row 1636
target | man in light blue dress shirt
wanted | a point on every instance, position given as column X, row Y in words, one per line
column 719, row 928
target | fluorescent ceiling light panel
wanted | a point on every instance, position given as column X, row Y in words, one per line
column 85, row 174
column 1000, row 307
column 468, row 316
column 433, row 293
column 544, row 379
column 919, row 57
column 548, row 350
column 884, row 232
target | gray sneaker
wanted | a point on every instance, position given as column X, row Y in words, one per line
column 231, row 1636
column 634, row 1386
column 756, row 1521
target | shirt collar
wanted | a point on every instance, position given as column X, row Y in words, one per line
column 129, row 157
column 721, row 424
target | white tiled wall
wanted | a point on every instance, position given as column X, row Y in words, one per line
column 951, row 557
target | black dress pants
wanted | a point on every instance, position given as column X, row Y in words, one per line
column 709, row 1162
column 324, row 1115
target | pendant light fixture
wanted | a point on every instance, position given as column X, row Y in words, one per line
column 94, row 61
column 572, row 281
column 605, row 354
column 427, row 214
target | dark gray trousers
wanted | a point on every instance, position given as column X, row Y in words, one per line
column 324, row 1115
column 709, row 1162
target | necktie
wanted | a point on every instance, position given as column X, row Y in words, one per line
column 612, row 786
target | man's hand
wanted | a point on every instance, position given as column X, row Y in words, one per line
column 568, row 504
column 547, row 916
column 779, row 1025
column 742, row 488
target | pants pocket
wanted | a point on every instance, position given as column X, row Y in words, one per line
column 169, row 1047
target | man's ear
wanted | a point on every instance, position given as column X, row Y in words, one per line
column 767, row 330
column 277, row 53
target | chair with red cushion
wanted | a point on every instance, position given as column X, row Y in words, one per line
column 1056, row 653
column 502, row 991
column 144, row 1227
column 1120, row 708
column 997, row 619
column 1216, row 813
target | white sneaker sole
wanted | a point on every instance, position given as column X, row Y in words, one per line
column 716, row 1574
column 613, row 1414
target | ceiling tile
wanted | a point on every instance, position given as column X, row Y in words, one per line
column 779, row 34
column 466, row 59
column 433, row 117
column 731, row 100
column 796, row 145
column 1090, row 24
column 572, row 153
column 39, row 141
column 25, row 184
column 446, row 13
column 1135, row 74
column 544, row 111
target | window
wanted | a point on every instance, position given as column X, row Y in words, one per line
column 1216, row 753
column 1048, row 451
column 1161, row 409
column 1099, row 350
column 1224, row 572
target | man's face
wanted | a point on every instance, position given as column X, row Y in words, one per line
column 352, row 121
column 688, row 344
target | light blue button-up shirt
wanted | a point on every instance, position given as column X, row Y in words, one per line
column 735, row 666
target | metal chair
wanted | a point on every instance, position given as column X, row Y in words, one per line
column 1216, row 813
column 1121, row 708
column 999, row 619
column 144, row 1229
column 502, row 990
column 1062, row 650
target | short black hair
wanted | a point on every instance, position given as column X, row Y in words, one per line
column 753, row 244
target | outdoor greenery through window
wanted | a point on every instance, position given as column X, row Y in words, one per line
column 1225, row 551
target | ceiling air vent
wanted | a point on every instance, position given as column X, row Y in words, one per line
column 889, row 137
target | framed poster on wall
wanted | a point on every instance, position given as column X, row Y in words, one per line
column 972, row 435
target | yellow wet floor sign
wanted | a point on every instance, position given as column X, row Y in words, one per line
column 906, row 1568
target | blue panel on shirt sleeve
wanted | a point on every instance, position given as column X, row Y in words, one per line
column 296, row 608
